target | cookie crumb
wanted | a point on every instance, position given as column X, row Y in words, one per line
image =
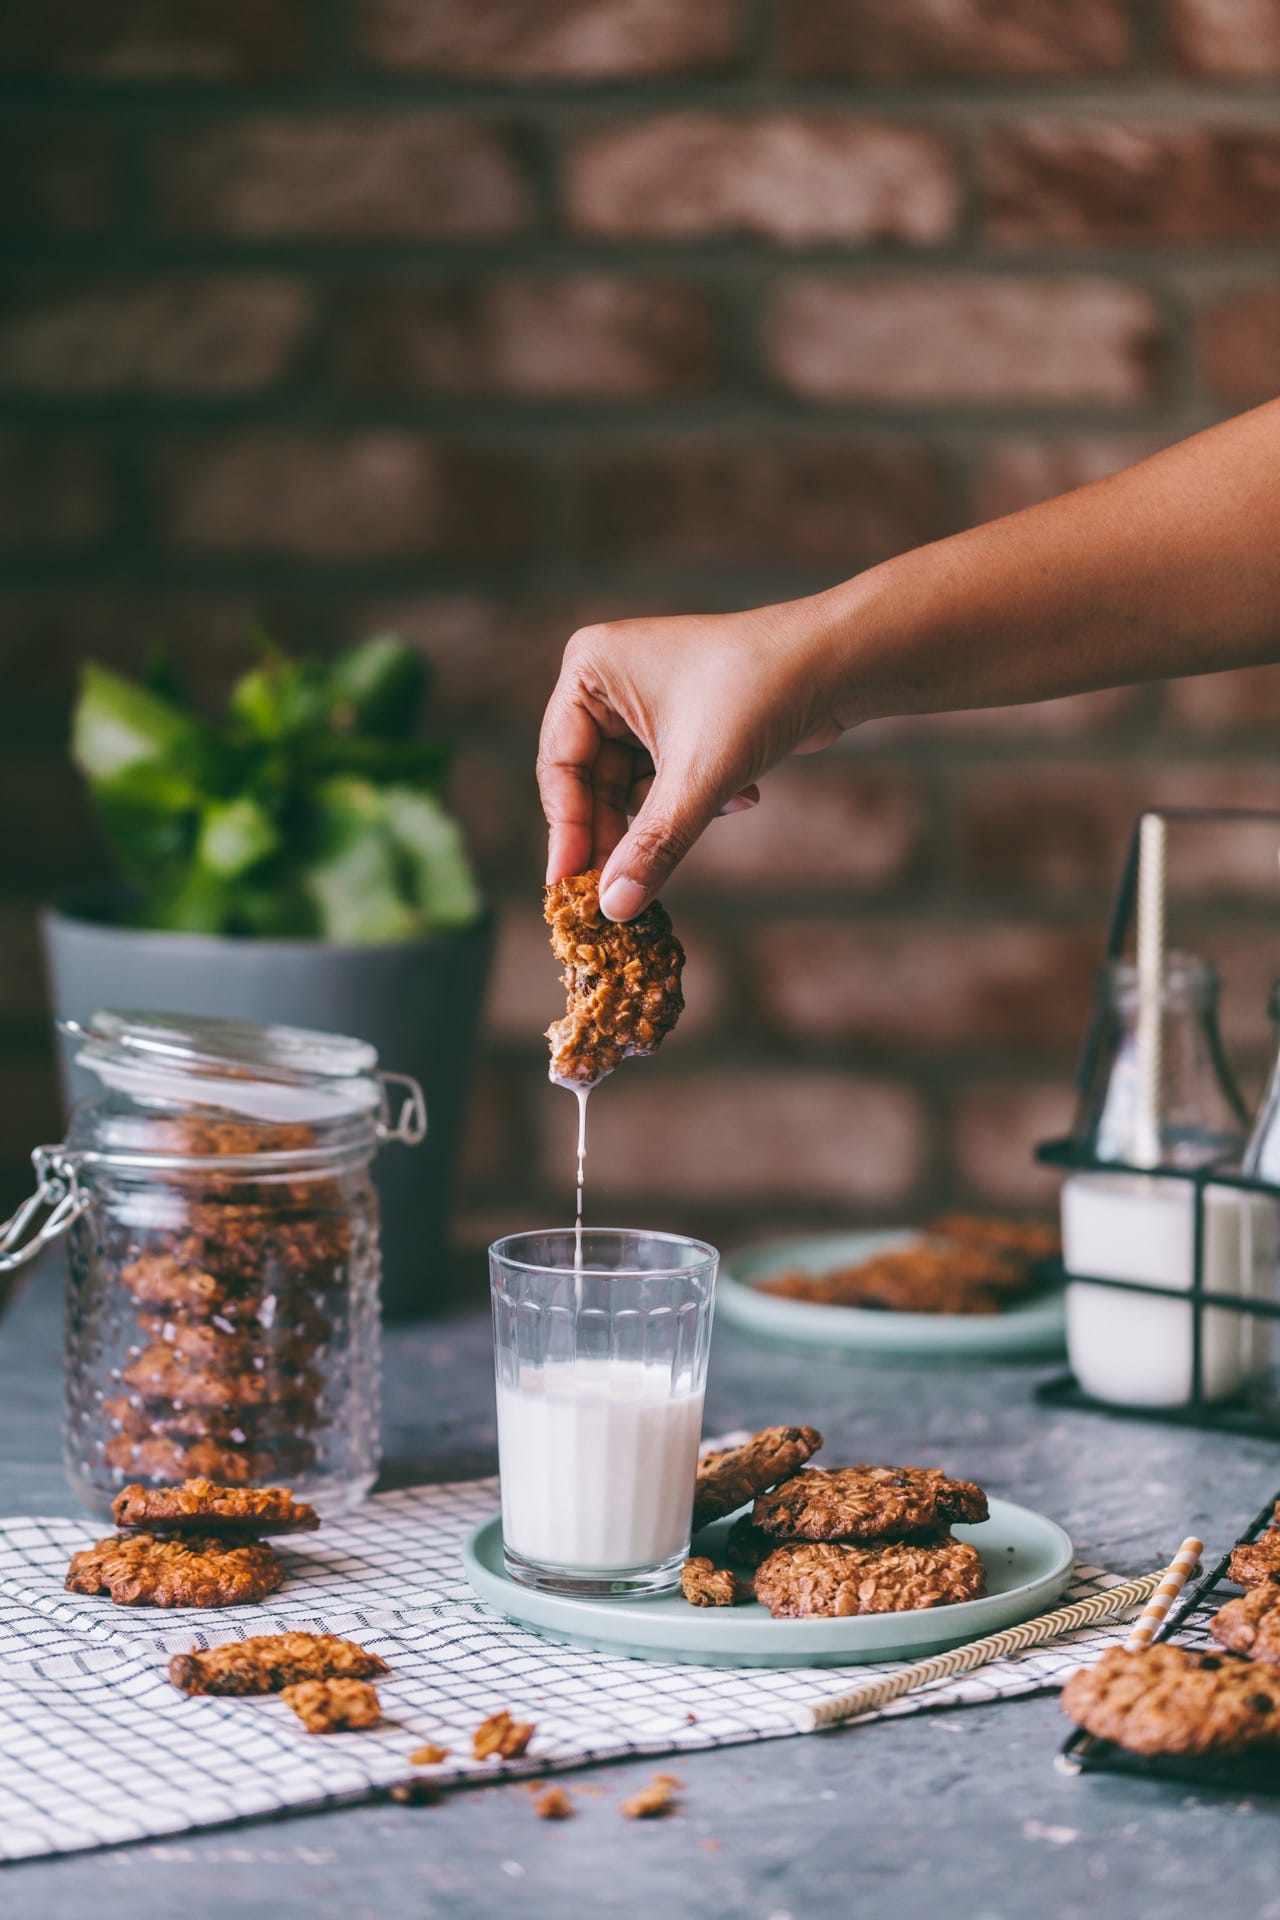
column 553, row 1804
column 703, row 1584
column 501, row 1735
column 653, row 1801
column 429, row 1755
column 334, row 1706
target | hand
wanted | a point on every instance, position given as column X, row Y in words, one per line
column 672, row 721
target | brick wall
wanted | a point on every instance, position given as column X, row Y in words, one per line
column 482, row 317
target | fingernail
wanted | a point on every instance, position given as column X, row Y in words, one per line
column 623, row 898
column 740, row 803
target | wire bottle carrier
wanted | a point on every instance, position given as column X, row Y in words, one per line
column 1255, row 1408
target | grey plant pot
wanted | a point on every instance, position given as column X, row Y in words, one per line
column 418, row 1002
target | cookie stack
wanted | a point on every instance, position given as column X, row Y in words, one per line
column 235, row 1306
column 826, row 1543
column 1170, row 1700
column 196, row 1545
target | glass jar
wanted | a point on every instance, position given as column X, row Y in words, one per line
column 1131, row 1348
column 222, row 1308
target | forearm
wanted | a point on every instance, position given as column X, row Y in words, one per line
column 1170, row 567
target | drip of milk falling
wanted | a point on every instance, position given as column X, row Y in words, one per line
column 582, row 1093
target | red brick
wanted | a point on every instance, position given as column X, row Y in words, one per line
column 201, row 334
column 932, row 986
column 821, row 823
column 548, row 39
column 1231, row 39
column 1062, row 829
column 55, row 490
column 1084, row 716
column 995, row 1131
column 594, row 337
column 526, row 994
column 754, row 500
column 969, row 339
column 330, row 498
column 748, row 1135
column 343, row 177
column 160, row 40
column 1247, row 962
column 796, row 179
column 1238, row 345
column 1227, row 705
column 474, row 645
column 56, row 176
column 1089, row 183
column 1014, row 474
column 494, row 793
column 913, row 39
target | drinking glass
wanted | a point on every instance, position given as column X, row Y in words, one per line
column 600, row 1350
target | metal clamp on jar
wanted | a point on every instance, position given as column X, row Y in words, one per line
column 223, row 1267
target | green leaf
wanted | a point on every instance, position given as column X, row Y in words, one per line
column 354, row 880
column 378, row 688
column 384, row 762
column 234, row 836
column 118, row 724
column 195, row 901
column 431, row 842
column 280, row 698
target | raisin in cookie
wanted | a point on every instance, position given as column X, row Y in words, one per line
column 1165, row 1699
column 821, row 1579
column 622, row 978
column 202, row 1506
column 728, row 1479
column 868, row 1503
column 268, row 1662
column 140, row 1570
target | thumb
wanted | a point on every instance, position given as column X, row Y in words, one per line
column 657, row 841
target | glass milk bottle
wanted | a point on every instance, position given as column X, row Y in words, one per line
column 1133, row 1349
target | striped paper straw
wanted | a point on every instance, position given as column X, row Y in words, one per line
column 1173, row 1581
column 868, row 1695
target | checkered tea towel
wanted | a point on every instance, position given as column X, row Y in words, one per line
column 96, row 1747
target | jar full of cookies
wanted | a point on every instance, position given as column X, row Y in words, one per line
column 222, row 1315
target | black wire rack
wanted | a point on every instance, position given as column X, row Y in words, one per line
column 1256, row 1408
column 1188, row 1619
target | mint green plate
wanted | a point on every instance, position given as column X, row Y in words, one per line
column 1028, row 1561
column 1032, row 1329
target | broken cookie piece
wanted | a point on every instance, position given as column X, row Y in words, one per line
column 703, row 1584
column 269, row 1662
column 622, row 979
column 334, row 1706
column 652, row 1801
column 501, row 1735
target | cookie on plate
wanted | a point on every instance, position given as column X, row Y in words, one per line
column 141, row 1570
column 704, row 1584
column 825, row 1580
column 1169, row 1700
column 268, row 1662
column 1251, row 1624
column 868, row 1503
column 730, row 1477
column 202, row 1506
column 1257, row 1560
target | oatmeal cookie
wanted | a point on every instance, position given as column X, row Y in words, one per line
column 268, row 1662
column 728, row 1479
column 166, row 1461
column 821, row 1579
column 223, row 1345
column 159, row 1373
column 1021, row 1241
column 141, row 1570
column 703, row 1584
column 919, row 1278
column 1257, row 1560
column 502, row 1735
column 1166, row 1699
column 868, row 1503
column 1251, row 1624
column 271, row 1425
column 623, row 981
column 202, row 1506
column 333, row 1706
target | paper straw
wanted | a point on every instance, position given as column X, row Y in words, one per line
column 1151, row 898
column 878, row 1692
column 1175, row 1579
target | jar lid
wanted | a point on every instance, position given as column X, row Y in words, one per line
column 273, row 1073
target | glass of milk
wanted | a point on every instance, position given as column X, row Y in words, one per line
column 600, row 1352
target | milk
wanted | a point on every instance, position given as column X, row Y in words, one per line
column 597, row 1461
column 1135, row 1350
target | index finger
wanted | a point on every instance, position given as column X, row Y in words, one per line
column 567, row 753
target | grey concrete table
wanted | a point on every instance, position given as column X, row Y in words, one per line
column 958, row 1812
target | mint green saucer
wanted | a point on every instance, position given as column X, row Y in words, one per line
column 1028, row 1561
column 1032, row 1329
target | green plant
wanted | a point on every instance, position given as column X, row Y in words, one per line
column 310, row 810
